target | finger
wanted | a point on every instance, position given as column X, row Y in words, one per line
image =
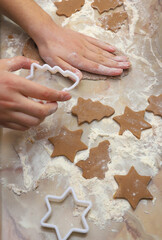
column 99, row 58
column 23, row 119
column 98, row 50
column 100, row 44
column 65, row 66
column 35, row 90
column 93, row 67
column 15, row 126
column 16, row 63
column 36, row 109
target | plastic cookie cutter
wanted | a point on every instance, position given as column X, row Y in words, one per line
column 54, row 70
column 61, row 198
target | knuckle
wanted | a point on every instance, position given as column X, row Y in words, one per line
column 20, row 58
column 46, row 94
column 35, row 122
column 42, row 112
column 8, row 104
column 74, row 57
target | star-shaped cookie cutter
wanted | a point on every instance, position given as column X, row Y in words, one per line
column 61, row 198
column 54, row 70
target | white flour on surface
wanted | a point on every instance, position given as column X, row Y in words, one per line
column 125, row 150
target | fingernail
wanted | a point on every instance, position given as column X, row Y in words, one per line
column 118, row 71
column 124, row 64
column 112, row 48
column 36, row 62
column 79, row 74
column 52, row 110
column 66, row 97
column 121, row 58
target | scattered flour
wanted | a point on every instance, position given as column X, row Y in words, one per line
column 125, row 151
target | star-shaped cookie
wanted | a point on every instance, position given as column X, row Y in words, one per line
column 87, row 111
column 67, row 143
column 106, row 5
column 132, row 121
column 68, row 7
column 133, row 187
column 155, row 105
column 96, row 164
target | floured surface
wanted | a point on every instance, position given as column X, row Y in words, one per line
column 141, row 42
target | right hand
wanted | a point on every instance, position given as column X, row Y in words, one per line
column 17, row 111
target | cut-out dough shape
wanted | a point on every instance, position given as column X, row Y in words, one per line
column 30, row 50
column 68, row 7
column 96, row 164
column 155, row 105
column 132, row 187
column 61, row 198
column 106, row 5
column 87, row 111
column 132, row 121
column 67, row 143
column 113, row 21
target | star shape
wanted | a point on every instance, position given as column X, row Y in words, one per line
column 96, row 164
column 155, row 105
column 87, row 110
column 61, row 198
column 67, row 143
column 68, row 7
column 132, row 121
column 132, row 187
column 106, row 5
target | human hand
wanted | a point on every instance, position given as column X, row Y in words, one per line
column 17, row 111
column 72, row 50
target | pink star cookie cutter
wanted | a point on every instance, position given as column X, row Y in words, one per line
column 54, row 70
column 61, row 198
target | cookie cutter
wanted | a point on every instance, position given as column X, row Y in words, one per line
column 54, row 70
column 61, row 198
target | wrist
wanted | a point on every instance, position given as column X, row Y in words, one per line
column 41, row 31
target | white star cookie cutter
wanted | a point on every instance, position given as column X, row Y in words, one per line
column 54, row 70
column 61, row 198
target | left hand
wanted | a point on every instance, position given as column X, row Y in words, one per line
column 73, row 51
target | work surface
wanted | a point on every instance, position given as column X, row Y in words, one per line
column 28, row 173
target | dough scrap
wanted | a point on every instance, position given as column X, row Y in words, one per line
column 132, row 121
column 113, row 21
column 106, row 5
column 132, row 187
column 96, row 164
column 30, row 50
column 67, row 143
column 68, row 7
column 155, row 105
column 87, row 110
